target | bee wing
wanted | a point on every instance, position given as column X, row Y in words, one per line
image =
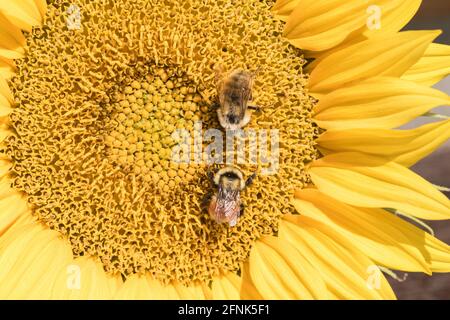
column 218, row 72
column 246, row 96
column 220, row 83
column 247, row 84
column 221, row 92
column 228, row 204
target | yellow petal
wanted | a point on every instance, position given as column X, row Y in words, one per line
column 12, row 205
column 318, row 26
column 405, row 147
column 5, row 91
column 381, row 102
column 6, row 190
column 341, row 265
column 135, row 288
column 439, row 253
column 10, row 54
column 32, row 7
column 151, row 290
column 321, row 55
column 192, row 292
column 155, row 290
column 367, row 181
column 42, row 7
column 13, row 244
column 432, row 67
column 12, row 40
column 248, row 289
column 390, row 56
column 4, row 106
column 381, row 235
column 158, row 291
column 279, row 271
column 5, row 165
column 321, row 25
column 28, row 258
column 227, row 287
column 24, row 219
column 394, row 16
column 283, row 8
column 4, row 132
column 37, row 279
column 84, row 278
column 7, row 68
column 23, row 14
column 170, row 293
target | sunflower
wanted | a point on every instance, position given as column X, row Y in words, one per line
column 92, row 207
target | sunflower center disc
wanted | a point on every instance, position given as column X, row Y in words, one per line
column 95, row 109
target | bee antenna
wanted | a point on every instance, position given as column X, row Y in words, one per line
column 218, row 68
column 249, row 181
column 257, row 71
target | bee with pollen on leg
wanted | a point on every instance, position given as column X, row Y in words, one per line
column 234, row 90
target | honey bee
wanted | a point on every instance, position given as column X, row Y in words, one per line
column 235, row 92
column 225, row 205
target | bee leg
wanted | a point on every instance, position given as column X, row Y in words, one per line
column 221, row 118
column 215, row 105
column 210, row 175
column 218, row 72
column 246, row 118
column 250, row 179
column 206, row 199
column 242, row 210
column 252, row 107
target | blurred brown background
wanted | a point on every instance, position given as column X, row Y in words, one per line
column 433, row 14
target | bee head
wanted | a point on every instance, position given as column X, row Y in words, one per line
column 232, row 118
column 229, row 178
